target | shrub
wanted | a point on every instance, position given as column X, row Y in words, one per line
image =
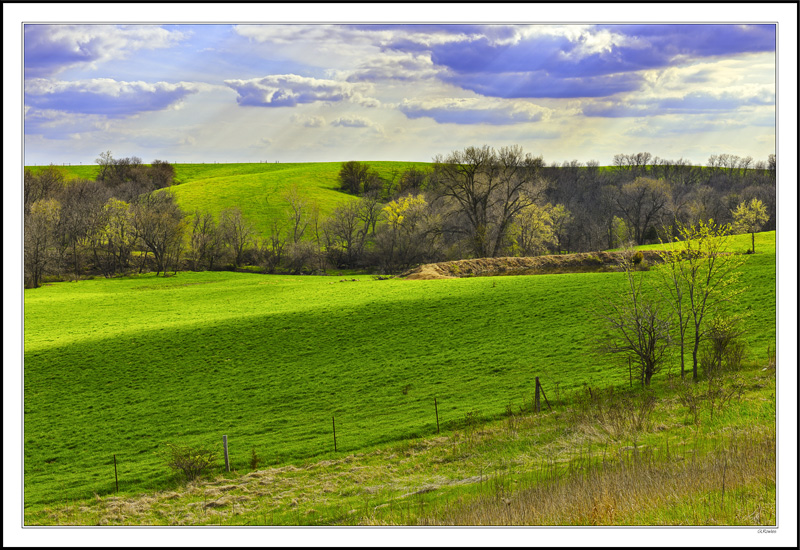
column 191, row 462
column 723, row 350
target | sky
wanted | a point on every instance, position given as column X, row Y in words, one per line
column 335, row 92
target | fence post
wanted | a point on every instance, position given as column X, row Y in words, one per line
column 436, row 406
column 225, row 447
column 116, row 480
column 549, row 408
column 333, row 418
column 536, row 405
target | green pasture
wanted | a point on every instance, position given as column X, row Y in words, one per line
column 123, row 366
column 88, row 171
column 259, row 190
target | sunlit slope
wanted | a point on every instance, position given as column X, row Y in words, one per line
column 123, row 366
column 259, row 190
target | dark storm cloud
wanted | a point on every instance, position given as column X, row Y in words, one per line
column 701, row 40
column 539, row 84
column 563, row 66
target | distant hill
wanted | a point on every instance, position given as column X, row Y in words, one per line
column 258, row 189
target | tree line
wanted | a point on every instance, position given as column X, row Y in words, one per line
column 477, row 202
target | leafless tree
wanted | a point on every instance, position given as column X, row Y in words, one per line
column 636, row 323
column 488, row 188
column 298, row 213
column 237, row 233
column 159, row 223
column 39, row 234
column 206, row 247
column 640, row 203
column 45, row 184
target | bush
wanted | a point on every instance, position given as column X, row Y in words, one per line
column 724, row 349
column 189, row 461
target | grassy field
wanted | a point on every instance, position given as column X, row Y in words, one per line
column 269, row 360
column 259, row 190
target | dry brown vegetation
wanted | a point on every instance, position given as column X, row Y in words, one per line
column 643, row 486
column 563, row 263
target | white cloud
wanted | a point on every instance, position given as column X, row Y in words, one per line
column 475, row 110
column 309, row 121
column 105, row 96
column 50, row 49
column 354, row 122
column 288, row 90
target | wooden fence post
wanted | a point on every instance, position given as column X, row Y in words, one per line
column 549, row 408
column 436, row 406
column 536, row 405
column 225, row 447
column 116, row 480
column 334, row 433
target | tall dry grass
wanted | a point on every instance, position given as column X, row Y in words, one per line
column 640, row 486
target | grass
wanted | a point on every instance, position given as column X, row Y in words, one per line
column 268, row 360
column 258, row 189
column 559, row 467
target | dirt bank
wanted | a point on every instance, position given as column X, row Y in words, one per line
column 586, row 262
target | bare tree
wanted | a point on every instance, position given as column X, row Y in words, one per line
column 82, row 215
column 489, row 188
column 116, row 237
column 640, row 203
column 45, row 184
column 636, row 324
column 344, row 234
column 237, row 233
column 159, row 223
column 298, row 212
column 39, row 234
column 206, row 243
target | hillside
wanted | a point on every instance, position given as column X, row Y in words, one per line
column 257, row 189
column 269, row 360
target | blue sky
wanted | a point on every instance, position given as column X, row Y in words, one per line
column 333, row 92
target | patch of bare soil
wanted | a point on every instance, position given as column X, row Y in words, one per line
column 586, row 262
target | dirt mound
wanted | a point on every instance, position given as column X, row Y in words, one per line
column 587, row 262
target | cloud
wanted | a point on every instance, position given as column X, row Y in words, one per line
column 587, row 61
column 474, row 111
column 394, row 66
column 540, row 84
column 289, row 90
column 354, row 122
column 105, row 96
column 309, row 122
column 691, row 103
column 50, row 49
column 697, row 41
